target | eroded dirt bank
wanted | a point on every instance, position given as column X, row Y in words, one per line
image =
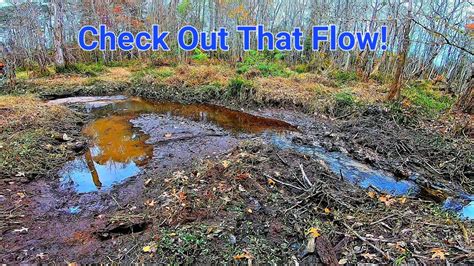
column 207, row 193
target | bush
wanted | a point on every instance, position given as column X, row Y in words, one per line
column 343, row 104
column 154, row 73
column 239, row 87
column 344, row 99
column 200, row 56
column 343, row 77
column 302, row 68
column 91, row 70
column 211, row 91
column 257, row 62
column 422, row 95
column 381, row 78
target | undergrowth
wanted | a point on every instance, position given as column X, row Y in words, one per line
column 421, row 95
column 90, row 69
column 258, row 64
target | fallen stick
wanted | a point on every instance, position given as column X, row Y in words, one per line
column 305, row 177
column 284, row 183
column 370, row 244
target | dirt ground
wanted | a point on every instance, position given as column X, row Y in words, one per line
column 234, row 199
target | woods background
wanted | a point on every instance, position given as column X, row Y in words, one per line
column 427, row 39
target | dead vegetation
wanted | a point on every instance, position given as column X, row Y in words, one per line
column 259, row 204
column 35, row 137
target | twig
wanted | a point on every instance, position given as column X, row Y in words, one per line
column 116, row 201
column 284, row 183
column 304, row 176
column 383, row 219
column 281, row 159
column 370, row 244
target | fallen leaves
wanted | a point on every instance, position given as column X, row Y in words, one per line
column 22, row 230
column 271, row 182
column 438, row 253
column 150, row 203
column 150, row 248
column 313, row 232
column 226, row 163
column 368, row 256
column 147, row 182
column 242, row 176
column 65, row 137
column 20, row 174
column 245, row 255
column 389, row 200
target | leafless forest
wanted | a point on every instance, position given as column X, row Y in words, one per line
column 243, row 157
column 427, row 39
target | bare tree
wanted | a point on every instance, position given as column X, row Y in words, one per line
column 395, row 88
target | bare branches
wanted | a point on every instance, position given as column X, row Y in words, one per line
column 446, row 39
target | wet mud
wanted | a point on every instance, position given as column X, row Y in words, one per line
column 133, row 142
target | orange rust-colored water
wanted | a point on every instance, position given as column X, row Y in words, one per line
column 229, row 119
column 116, row 141
column 118, row 150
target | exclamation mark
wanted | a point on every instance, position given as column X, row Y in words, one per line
column 384, row 38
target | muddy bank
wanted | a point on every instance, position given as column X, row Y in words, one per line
column 205, row 191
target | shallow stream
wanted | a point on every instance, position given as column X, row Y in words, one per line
column 131, row 133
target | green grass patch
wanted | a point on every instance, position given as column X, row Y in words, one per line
column 422, row 95
column 239, row 87
column 259, row 63
column 154, row 73
column 343, row 77
column 199, row 56
column 91, row 70
column 381, row 77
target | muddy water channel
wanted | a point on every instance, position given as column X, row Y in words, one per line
column 130, row 134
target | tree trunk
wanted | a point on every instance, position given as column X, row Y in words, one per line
column 395, row 88
column 465, row 102
column 10, row 66
column 58, row 13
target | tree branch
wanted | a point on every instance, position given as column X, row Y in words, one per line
column 448, row 42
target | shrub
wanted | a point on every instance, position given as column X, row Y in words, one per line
column 343, row 77
column 422, row 95
column 211, row 91
column 343, row 103
column 90, row 70
column 302, row 68
column 154, row 73
column 200, row 56
column 344, row 98
column 257, row 62
column 381, row 78
column 239, row 87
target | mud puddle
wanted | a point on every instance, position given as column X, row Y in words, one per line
column 130, row 133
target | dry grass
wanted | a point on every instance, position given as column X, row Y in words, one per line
column 21, row 112
column 28, row 139
column 369, row 92
column 299, row 90
column 112, row 75
column 200, row 75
